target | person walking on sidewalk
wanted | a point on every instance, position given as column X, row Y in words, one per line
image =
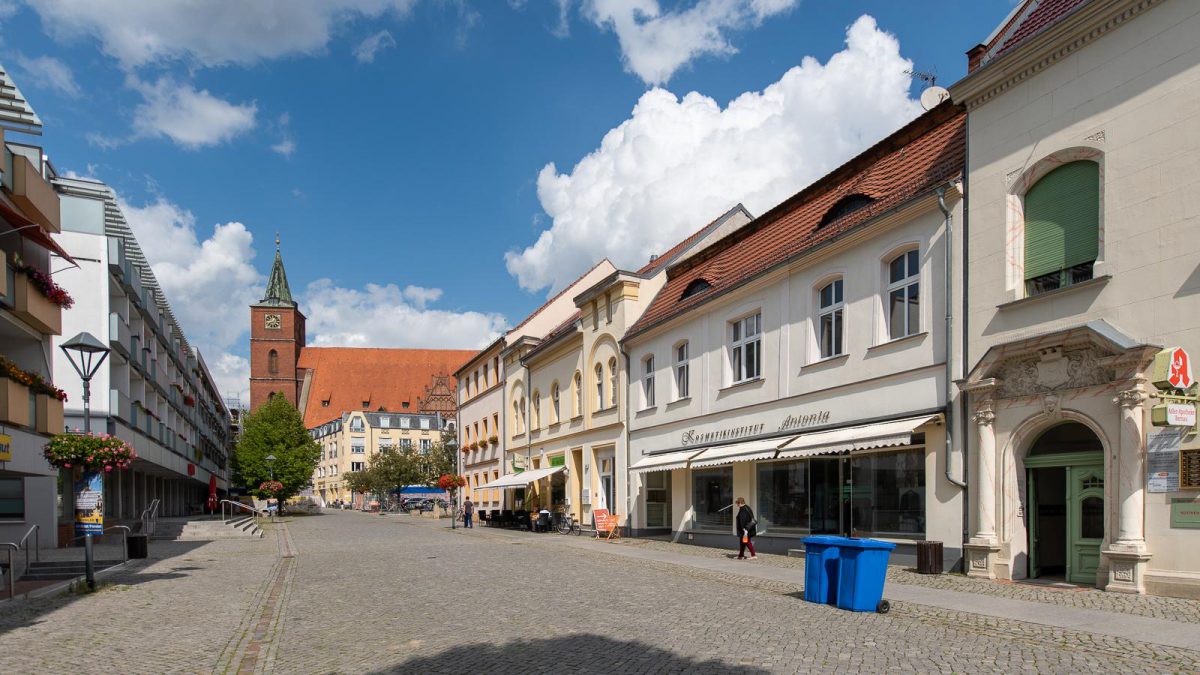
column 468, row 511
column 747, row 526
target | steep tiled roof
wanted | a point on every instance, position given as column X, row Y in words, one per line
column 925, row 153
column 387, row 378
column 558, row 295
column 1032, row 18
column 666, row 258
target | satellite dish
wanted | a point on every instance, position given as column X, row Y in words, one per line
column 932, row 96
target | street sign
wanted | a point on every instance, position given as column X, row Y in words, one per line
column 1173, row 369
column 1173, row 415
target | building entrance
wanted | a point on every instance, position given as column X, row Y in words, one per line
column 830, row 502
column 1065, row 504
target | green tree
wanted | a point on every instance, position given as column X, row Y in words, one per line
column 386, row 471
column 276, row 429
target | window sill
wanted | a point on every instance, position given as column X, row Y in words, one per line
column 647, row 409
column 1031, row 299
column 679, row 401
column 827, row 361
column 743, row 383
column 915, row 337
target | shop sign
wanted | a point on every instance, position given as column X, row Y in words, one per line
column 5, row 448
column 1173, row 415
column 89, row 503
column 1185, row 513
column 1173, row 369
column 1162, row 460
column 789, row 423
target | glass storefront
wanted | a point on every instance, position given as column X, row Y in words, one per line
column 712, row 498
column 888, row 493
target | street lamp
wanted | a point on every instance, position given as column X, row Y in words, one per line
column 271, row 465
column 86, row 354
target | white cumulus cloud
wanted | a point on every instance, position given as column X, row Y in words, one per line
column 369, row 48
column 191, row 118
column 677, row 163
column 50, row 73
column 656, row 43
column 209, row 33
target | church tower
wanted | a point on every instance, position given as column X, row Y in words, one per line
column 276, row 338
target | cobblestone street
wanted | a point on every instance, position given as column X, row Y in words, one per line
column 350, row 592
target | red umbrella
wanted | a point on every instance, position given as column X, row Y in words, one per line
column 212, row 493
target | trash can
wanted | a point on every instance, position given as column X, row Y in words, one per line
column 929, row 557
column 862, row 571
column 821, row 568
column 138, row 545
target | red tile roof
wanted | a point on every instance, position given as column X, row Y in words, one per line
column 386, row 378
column 1035, row 17
column 924, row 154
column 673, row 252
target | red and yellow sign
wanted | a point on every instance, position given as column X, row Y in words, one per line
column 1173, row 369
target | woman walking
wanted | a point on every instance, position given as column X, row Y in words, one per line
column 746, row 530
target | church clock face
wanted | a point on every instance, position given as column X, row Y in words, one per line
column 271, row 321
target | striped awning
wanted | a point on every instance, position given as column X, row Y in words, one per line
column 851, row 439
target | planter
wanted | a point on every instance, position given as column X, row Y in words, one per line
column 34, row 308
column 14, row 402
column 49, row 414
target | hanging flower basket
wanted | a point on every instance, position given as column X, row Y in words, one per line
column 91, row 452
column 46, row 286
column 450, row 482
column 271, row 488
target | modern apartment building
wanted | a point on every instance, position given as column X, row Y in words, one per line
column 154, row 390
column 348, row 443
column 30, row 316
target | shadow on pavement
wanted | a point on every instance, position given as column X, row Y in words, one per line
column 578, row 653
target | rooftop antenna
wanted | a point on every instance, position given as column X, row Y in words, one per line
column 933, row 94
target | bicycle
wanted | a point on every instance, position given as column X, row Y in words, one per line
column 568, row 524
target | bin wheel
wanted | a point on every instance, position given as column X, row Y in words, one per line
column 883, row 607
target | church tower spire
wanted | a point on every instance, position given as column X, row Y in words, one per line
column 278, row 293
column 276, row 341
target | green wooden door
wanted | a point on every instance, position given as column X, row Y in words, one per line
column 1085, row 521
column 1031, row 508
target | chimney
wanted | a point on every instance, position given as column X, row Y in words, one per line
column 975, row 57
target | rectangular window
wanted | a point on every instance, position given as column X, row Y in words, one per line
column 357, row 446
column 406, row 444
column 426, row 444
column 658, row 499
column 607, row 308
column 356, row 424
column 904, row 316
column 746, row 348
column 889, row 493
column 425, row 423
column 12, row 498
column 485, row 376
column 681, row 371
column 357, row 466
column 783, row 495
column 385, row 422
column 405, row 423
column 712, row 498
column 648, row 381
column 830, row 327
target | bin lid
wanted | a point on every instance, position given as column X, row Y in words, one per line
column 874, row 544
column 823, row 540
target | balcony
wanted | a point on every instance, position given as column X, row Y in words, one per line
column 118, row 334
column 118, row 405
column 30, row 190
column 34, row 308
column 14, row 403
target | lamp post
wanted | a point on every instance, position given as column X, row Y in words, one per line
column 271, row 465
column 86, row 354
column 271, row 469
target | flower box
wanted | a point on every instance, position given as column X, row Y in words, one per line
column 49, row 414
column 14, row 402
column 494, row 440
column 34, row 308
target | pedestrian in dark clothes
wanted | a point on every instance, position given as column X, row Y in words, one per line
column 747, row 528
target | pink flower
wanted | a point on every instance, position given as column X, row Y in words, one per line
column 108, row 468
column 66, row 466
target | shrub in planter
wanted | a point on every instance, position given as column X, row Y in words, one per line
column 89, row 452
column 46, row 286
column 493, row 440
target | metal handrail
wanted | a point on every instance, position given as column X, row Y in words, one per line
column 149, row 518
column 12, row 574
column 35, row 530
column 124, row 537
column 255, row 512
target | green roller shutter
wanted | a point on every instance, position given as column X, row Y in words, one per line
column 1062, row 219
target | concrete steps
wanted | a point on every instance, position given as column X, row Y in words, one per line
column 203, row 529
column 62, row 569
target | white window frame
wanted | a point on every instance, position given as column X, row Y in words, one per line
column 912, row 277
column 614, row 389
column 648, row 382
column 555, row 403
column 682, row 370
column 739, row 342
column 578, row 402
column 599, row 386
column 535, row 410
column 837, row 310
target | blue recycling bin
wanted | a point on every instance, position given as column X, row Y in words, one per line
column 862, row 570
column 821, row 569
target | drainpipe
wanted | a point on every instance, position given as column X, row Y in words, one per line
column 625, row 433
column 950, row 418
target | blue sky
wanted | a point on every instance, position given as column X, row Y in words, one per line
column 403, row 147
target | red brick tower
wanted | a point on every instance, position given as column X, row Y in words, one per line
column 276, row 338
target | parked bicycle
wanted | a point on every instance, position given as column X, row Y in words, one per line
column 567, row 525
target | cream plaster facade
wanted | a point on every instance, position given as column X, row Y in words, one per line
column 1116, row 82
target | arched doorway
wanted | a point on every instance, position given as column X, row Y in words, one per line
column 1065, row 477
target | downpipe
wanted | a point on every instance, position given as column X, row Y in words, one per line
column 948, row 218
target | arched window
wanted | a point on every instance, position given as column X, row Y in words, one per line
column 555, row 405
column 599, row 387
column 1062, row 227
column 273, row 362
column 830, row 319
column 612, row 376
column 516, row 418
column 844, row 207
column 904, row 297
column 578, row 410
column 535, row 414
column 523, row 418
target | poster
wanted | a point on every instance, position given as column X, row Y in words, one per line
column 1162, row 459
column 89, row 503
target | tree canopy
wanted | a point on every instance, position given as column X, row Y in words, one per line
column 391, row 469
column 276, row 428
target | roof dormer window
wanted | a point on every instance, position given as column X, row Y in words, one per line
column 844, row 207
column 696, row 286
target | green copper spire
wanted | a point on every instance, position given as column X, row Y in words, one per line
column 278, row 294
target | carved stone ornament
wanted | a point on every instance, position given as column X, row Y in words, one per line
column 1052, row 370
column 1123, row 571
column 1097, row 137
column 979, row 563
column 1130, row 398
column 1051, row 405
column 983, row 416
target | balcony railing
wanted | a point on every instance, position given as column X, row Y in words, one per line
column 30, row 190
column 34, row 308
column 118, row 334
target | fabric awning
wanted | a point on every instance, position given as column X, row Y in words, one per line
column 516, row 480
column 738, row 452
column 866, row 437
column 32, row 231
column 667, row 461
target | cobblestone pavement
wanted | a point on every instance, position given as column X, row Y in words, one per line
column 1173, row 609
column 352, row 592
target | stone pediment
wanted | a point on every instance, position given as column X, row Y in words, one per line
column 1053, row 369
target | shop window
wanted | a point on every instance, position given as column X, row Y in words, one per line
column 12, row 498
column 681, row 371
column 648, row 382
column 783, row 494
column 830, row 319
column 904, row 297
column 1062, row 227
column 712, row 497
column 889, row 493
column 745, row 349
column 658, row 499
